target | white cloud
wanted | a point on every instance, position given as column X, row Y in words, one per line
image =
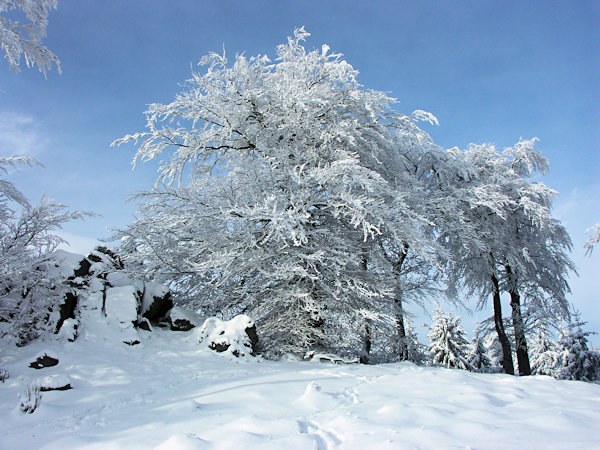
column 76, row 243
column 20, row 134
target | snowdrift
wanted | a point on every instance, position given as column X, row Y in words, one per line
column 170, row 392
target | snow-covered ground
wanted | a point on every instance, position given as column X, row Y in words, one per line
column 170, row 393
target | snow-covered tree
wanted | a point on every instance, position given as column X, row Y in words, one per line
column 544, row 356
column 536, row 265
column 278, row 191
column 575, row 359
column 448, row 346
column 518, row 247
column 477, row 357
column 416, row 350
column 494, row 350
column 25, row 39
column 27, row 238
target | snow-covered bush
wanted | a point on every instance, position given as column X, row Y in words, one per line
column 30, row 399
column 236, row 336
column 4, row 373
column 448, row 345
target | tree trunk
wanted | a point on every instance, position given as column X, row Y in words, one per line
column 364, row 358
column 517, row 317
column 507, row 362
column 402, row 347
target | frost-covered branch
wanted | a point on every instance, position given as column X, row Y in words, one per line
column 25, row 40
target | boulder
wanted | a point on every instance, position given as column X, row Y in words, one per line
column 236, row 336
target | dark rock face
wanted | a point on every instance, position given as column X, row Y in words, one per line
column 44, row 361
column 158, row 309
column 253, row 336
column 83, row 269
column 103, row 254
column 67, row 309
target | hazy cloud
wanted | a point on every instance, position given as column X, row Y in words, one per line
column 20, row 134
column 77, row 244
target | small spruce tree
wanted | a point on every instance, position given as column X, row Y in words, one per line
column 448, row 343
column 544, row 356
column 416, row 350
column 478, row 358
column 576, row 361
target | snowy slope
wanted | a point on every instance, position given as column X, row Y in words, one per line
column 169, row 392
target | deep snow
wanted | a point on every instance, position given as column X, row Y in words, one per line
column 169, row 392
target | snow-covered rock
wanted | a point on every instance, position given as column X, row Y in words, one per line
column 66, row 265
column 236, row 336
column 42, row 360
column 58, row 382
column 68, row 330
column 122, row 305
column 183, row 320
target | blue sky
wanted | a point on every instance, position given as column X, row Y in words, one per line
column 490, row 71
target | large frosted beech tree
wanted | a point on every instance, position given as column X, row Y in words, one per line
column 519, row 248
column 272, row 191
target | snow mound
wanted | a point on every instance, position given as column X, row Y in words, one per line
column 184, row 442
column 172, row 394
column 58, row 382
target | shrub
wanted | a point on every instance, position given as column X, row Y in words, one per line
column 30, row 398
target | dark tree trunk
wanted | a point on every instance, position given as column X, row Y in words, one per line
column 507, row 362
column 517, row 317
column 364, row 358
column 402, row 347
